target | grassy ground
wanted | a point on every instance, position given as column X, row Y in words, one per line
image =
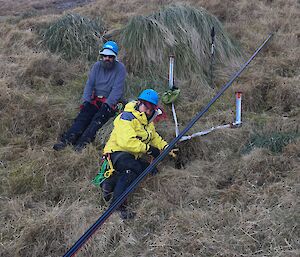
column 231, row 193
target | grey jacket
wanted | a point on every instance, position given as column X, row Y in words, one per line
column 107, row 83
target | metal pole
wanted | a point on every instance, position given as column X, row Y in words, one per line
column 171, row 86
column 171, row 71
column 164, row 153
column 238, row 112
column 212, row 52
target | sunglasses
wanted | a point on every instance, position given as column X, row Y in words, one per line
column 148, row 105
column 107, row 56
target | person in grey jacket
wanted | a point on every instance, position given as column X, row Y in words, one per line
column 104, row 88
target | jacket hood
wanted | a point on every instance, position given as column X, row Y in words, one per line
column 141, row 116
column 130, row 107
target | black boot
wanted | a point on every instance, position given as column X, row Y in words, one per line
column 66, row 139
column 87, row 137
column 107, row 191
column 59, row 146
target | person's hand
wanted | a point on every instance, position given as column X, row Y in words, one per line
column 84, row 104
column 173, row 153
column 153, row 151
column 105, row 108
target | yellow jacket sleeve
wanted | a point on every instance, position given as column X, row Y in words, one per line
column 157, row 140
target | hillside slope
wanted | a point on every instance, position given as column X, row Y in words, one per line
column 231, row 193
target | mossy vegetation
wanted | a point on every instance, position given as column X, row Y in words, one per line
column 275, row 141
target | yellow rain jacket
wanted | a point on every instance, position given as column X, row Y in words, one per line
column 133, row 133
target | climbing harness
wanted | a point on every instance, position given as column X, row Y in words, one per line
column 106, row 170
column 119, row 107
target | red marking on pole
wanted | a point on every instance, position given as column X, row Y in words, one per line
column 238, row 94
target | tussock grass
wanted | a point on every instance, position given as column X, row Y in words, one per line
column 74, row 36
column 180, row 30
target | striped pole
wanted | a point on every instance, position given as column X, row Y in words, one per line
column 171, row 86
column 171, row 71
column 72, row 251
column 238, row 112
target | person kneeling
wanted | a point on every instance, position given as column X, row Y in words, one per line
column 133, row 135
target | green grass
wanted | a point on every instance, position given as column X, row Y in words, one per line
column 74, row 36
column 274, row 141
column 26, row 177
column 180, row 30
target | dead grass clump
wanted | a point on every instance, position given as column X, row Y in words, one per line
column 46, row 227
column 25, row 178
column 44, row 69
column 261, row 168
column 218, row 145
column 267, row 91
column 28, row 120
column 74, row 36
column 285, row 97
column 256, row 91
column 292, row 150
column 49, row 177
column 16, row 41
column 35, row 24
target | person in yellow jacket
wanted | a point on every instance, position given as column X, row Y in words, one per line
column 133, row 136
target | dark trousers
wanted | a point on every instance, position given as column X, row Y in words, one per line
column 127, row 169
column 84, row 128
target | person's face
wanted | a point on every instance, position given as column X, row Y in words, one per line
column 108, row 61
column 146, row 109
column 108, row 58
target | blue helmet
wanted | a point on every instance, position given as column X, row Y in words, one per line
column 150, row 96
column 110, row 48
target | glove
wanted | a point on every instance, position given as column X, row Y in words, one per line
column 84, row 105
column 153, row 151
column 173, row 153
column 105, row 108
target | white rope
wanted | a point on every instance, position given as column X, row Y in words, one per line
column 205, row 132
column 237, row 122
column 175, row 120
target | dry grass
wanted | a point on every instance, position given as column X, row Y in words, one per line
column 222, row 202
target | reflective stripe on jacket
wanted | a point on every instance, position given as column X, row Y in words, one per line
column 132, row 133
